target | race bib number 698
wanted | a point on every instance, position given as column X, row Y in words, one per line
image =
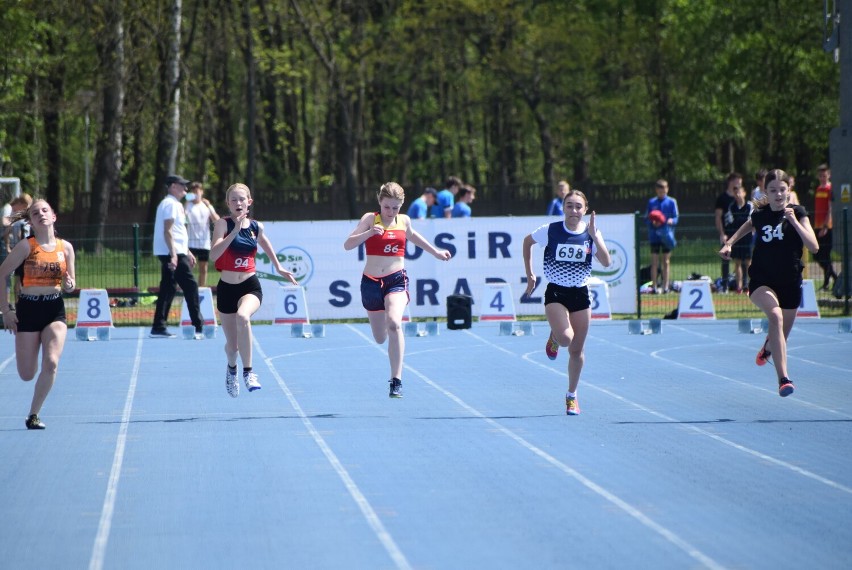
column 570, row 252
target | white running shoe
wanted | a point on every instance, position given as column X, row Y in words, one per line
column 250, row 379
column 231, row 382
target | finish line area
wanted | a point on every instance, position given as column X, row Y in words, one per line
column 684, row 454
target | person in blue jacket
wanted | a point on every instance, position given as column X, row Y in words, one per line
column 555, row 207
column 420, row 207
column 661, row 216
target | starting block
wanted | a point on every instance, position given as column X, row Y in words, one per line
column 429, row 328
column 752, row 326
column 188, row 331
column 844, row 326
column 651, row 326
column 208, row 316
column 92, row 333
column 307, row 330
column 516, row 328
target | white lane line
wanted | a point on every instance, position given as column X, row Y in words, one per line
column 629, row 509
column 6, row 362
column 366, row 509
column 96, row 562
column 657, row 354
column 791, row 350
column 720, row 439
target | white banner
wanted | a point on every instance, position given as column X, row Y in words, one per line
column 485, row 250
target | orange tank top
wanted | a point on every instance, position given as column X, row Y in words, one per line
column 44, row 268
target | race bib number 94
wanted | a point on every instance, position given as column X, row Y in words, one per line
column 570, row 252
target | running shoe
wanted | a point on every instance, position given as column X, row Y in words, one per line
column 33, row 422
column 231, row 382
column 572, row 408
column 762, row 356
column 250, row 378
column 785, row 387
column 551, row 348
column 395, row 388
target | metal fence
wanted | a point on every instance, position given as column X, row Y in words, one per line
column 127, row 269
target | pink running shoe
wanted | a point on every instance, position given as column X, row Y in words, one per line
column 551, row 348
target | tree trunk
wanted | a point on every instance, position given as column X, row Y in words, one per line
column 251, row 101
column 107, row 176
column 168, row 122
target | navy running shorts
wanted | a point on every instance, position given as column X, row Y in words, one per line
column 375, row 289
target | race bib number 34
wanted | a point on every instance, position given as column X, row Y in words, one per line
column 570, row 252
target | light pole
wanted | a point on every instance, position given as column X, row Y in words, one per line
column 838, row 42
column 86, row 97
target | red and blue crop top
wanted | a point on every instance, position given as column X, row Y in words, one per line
column 239, row 256
column 389, row 244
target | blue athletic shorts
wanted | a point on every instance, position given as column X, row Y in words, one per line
column 375, row 289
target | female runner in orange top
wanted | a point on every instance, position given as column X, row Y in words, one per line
column 384, row 285
column 45, row 264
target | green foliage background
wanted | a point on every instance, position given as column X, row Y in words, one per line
column 495, row 91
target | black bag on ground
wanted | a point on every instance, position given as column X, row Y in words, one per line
column 459, row 311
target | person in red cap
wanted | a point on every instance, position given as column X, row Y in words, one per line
column 662, row 216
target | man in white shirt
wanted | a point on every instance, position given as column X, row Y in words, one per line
column 171, row 246
column 199, row 213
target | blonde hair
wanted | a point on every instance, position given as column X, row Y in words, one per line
column 237, row 186
column 391, row 190
column 27, row 201
column 23, row 199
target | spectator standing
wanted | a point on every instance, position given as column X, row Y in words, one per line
column 465, row 197
column 200, row 213
column 18, row 230
column 738, row 213
column 794, row 198
column 555, row 207
column 760, row 180
column 733, row 183
column 5, row 226
column 445, row 201
column 661, row 233
column 421, row 206
column 823, row 224
column 171, row 246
